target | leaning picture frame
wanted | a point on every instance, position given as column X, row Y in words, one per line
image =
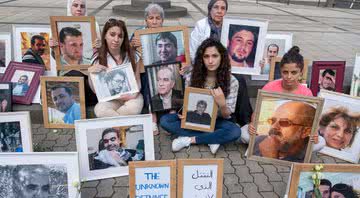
column 339, row 125
column 232, row 29
column 5, row 50
column 341, row 178
column 355, row 83
column 130, row 137
column 327, row 74
column 83, row 29
column 56, row 173
column 25, row 78
column 63, row 100
column 15, row 129
column 289, row 118
column 154, row 39
column 5, row 96
column 200, row 110
column 275, row 73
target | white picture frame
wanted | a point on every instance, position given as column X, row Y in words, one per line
column 6, row 38
column 85, row 127
column 355, row 83
column 352, row 104
column 52, row 161
column 25, row 128
column 283, row 41
column 253, row 63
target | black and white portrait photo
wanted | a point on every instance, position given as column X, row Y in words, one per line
column 117, row 82
column 10, row 137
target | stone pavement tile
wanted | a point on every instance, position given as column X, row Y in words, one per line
column 52, row 136
column 327, row 159
column 180, row 155
column 63, row 140
column 203, row 147
column 235, row 158
column 243, row 173
column 224, row 192
column 36, row 126
column 194, row 155
column 42, row 130
column 283, row 169
column 237, row 195
column 231, row 181
column 254, row 166
column 279, row 188
column 269, row 194
column 58, row 149
column 90, row 184
column 88, row 192
column 122, row 181
column 285, row 177
column 261, row 181
column 193, row 148
column 105, row 188
column 38, row 137
column 231, row 146
column 207, row 154
column 250, row 190
column 121, row 192
column 228, row 168
column 165, row 155
column 271, row 173
column 221, row 153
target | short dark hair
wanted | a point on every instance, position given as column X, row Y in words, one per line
column 27, row 77
column 109, row 76
column 68, row 31
column 201, row 102
column 67, row 89
column 38, row 37
column 237, row 28
column 109, row 130
column 325, row 182
column 344, row 189
column 293, row 56
column 273, row 45
column 328, row 71
column 167, row 35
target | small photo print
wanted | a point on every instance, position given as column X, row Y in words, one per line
column 2, row 53
column 39, row 42
column 200, row 109
column 10, row 137
column 327, row 79
column 5, row 97
column 21, row 82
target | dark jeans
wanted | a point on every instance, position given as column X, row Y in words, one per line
column 225, row 131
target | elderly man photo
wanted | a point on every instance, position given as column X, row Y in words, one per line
column 33, row 54
column 327, row 80
column 31, row 181
column 271, row 52
column 63, row 99
column 21, row 87
column 199, row 116
column 287, row 139
column 167, row 97
column 71, row 46
column 242, row 42
column 117, row 82
column 166, row 47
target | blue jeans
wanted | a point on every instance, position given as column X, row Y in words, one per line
column 225, row 131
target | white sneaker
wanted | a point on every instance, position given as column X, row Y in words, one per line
column 180, row 142
column 214, row 148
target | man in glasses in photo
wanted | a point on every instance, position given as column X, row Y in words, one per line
column 287, row 139
column 33, row 54
column 117, row 82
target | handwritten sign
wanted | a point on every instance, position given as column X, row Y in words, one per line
column 200, row 178
column 152, row 179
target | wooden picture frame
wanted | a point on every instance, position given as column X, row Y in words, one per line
column 6, row 47
column 338, row 67
column 147, row 39
column 88, row 42
column 182, row 163
column 156, row 165
column 269, row 102
column 5, row 97
column 77, row 95
column 152, row 72
column 200, row 124
column 275, row 70
column 332, row 172
column 355, row 83
column 20, row 121
column 27, row 92
column 344, row 107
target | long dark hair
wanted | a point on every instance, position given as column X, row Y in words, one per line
column 125, row 48
column 293, row 56
column 223, row 73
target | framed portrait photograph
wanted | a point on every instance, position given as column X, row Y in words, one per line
column 75, row 35
column 284, row 124
column 165, row 86
column 25, row 79
column 276, row 45
column 355, row 83
column 114, row 82
column 63, row 100
column 244, row 40
column 200, row 110
column 31, row 45
column 164, row 45
column 339, row 125
column 45, row 174
column 337, row 180
column 275, row 72
column 328, row 75
column 5, row 97
column 5, row 50
column 107, row 145
column 15, row 132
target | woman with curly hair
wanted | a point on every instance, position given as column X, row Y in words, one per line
column 212, row 71
column 339, row 127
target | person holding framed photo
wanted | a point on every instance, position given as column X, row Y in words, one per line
column 212, row 72
column 115, row 51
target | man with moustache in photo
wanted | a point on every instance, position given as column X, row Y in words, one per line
column 33, row 54
column 287, row 139
column 271, row 52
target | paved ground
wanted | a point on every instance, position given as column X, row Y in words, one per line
column 322, row 34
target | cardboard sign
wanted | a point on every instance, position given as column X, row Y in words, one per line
column 200, row 178
column 152, row 179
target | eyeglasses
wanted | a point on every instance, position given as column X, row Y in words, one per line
column 282, row 122
column 108, row 140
